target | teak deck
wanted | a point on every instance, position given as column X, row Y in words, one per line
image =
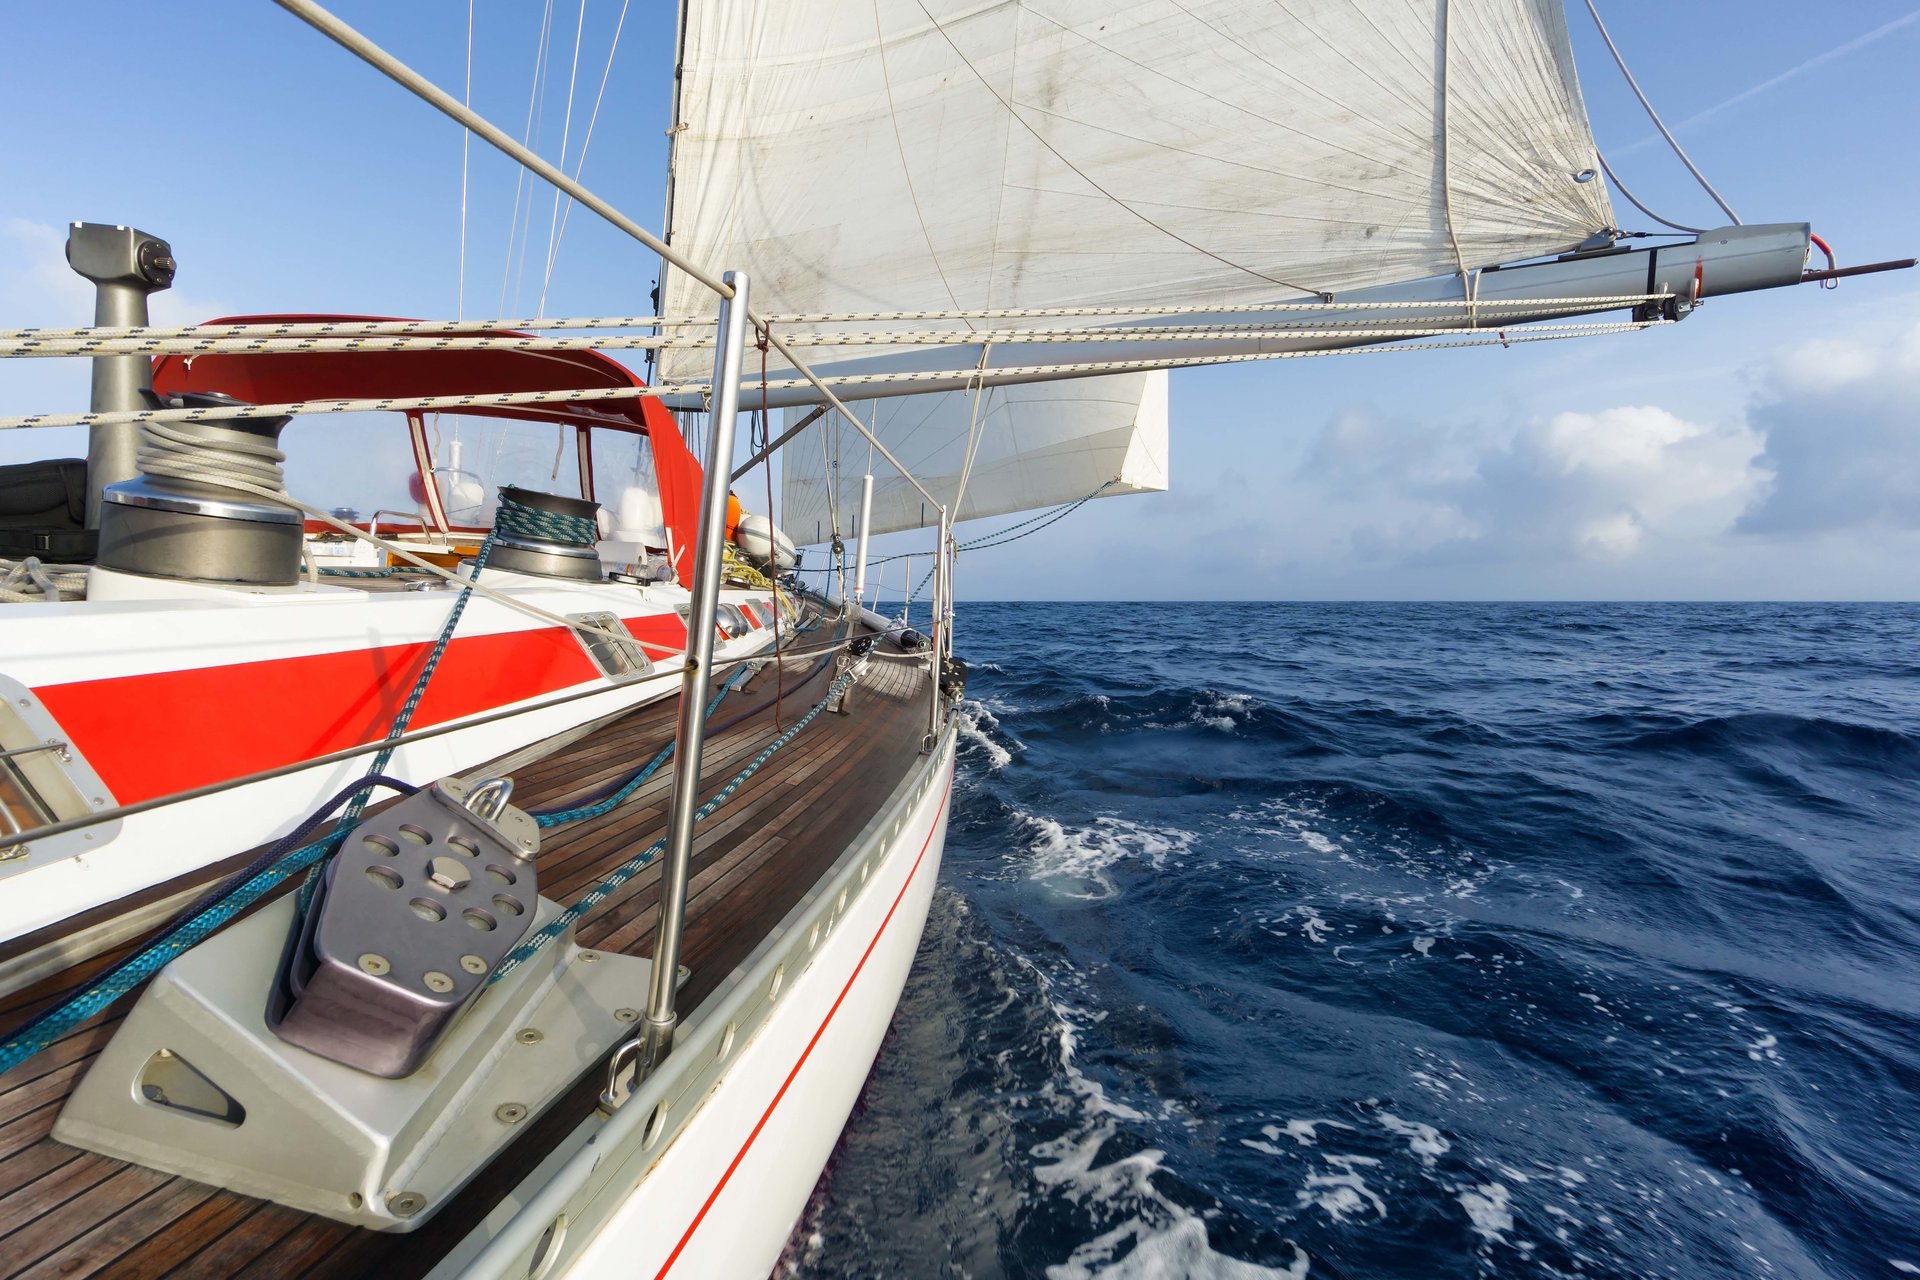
column 65, row 1212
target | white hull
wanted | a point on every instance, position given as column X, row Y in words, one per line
column 718, row 1191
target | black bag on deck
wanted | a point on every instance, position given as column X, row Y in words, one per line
column 43, row 511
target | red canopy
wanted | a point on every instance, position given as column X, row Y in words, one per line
column 276, row 377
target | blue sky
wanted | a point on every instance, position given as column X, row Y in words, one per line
column 1769, row 447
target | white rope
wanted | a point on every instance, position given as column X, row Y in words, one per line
column 691, row 390
column 166, row 450
column 1658, row 123
column 1335, row 331
column 1024, row 313
column 333, row 328
column 393, row 404
column 413, row 328
column 30, row 582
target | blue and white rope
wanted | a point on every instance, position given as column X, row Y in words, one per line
column 635, row 865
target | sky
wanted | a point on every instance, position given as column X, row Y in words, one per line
column 1766, row 448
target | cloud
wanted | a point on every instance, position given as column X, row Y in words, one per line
column 1841, row 421
column 1601, row 484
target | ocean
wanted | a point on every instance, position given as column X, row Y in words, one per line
column 1410, row 940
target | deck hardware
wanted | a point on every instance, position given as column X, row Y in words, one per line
column 407, row 892
column 547, row 1252
column 66, row 755
column 405, row 1204
column 488, row 800
column 510, row 1113
column 448, row 873
column 233, row 1105
column 588, row 957
column 626, row 1015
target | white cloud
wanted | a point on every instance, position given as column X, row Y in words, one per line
column 1842, row 426
column 1601, row 484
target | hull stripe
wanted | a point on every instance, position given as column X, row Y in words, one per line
column 820, row 1031
column 247, row 716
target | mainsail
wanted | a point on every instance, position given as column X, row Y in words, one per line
column 938, row 155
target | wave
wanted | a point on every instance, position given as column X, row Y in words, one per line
column 1841, row 742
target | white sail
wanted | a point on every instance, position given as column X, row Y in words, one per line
column 909, row 155
column 1038, row 445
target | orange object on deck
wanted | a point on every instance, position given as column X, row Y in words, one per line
column 733, row 515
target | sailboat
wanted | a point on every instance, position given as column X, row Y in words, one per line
column 528, row 896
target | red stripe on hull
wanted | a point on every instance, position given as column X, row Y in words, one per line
column 806, row 1053
column 156, row 733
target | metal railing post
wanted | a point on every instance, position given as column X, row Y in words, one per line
column 937, row 619
column 690, row 727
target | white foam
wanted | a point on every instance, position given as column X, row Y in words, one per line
column 1424, row 945
column 1167, row 1238
column 968, row 719
column 1177, row 1251
column 1487, row 1205
column 1076, row 861
column 1422, row 1139
column 1342, row 1192
column 1906, row 1267
column 1315, row 926
column 1765, row 1049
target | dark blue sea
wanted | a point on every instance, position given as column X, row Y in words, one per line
column 1410, row 940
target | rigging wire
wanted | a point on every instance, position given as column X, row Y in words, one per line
column 580, row 162
column 1658, row 123
column 539, row 131
column 526, row 140
column 1621, row 187
column 466, row 141
column 566, row 133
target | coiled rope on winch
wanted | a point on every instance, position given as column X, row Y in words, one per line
column 517, row 519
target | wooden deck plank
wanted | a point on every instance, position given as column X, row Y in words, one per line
column 163, row 1218
column 76, row 1213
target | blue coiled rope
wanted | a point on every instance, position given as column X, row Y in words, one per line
column 516, row 519
column 187, row 930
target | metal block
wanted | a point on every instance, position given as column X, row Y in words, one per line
column 196, row 1084
column 421, row 903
